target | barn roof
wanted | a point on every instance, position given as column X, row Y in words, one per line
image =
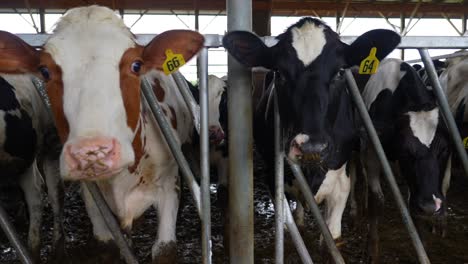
column 351, row 8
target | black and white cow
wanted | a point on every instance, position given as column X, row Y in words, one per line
column 217, row 123
column 26, row 144
column 315, row 109
column 406, row 116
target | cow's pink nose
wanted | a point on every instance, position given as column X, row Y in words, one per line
column 216, row 134
column 91, row 158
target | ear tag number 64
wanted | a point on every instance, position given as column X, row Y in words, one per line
column 370, row 64
column 173, row 62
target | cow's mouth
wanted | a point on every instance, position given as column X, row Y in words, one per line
column 93, row 175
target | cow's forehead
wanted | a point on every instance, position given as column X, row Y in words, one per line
column 308, row 40
column 89, row 33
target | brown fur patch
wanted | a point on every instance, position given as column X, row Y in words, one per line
column 16, row 55
column 54, row 88
column 130, row 87
column 158, row 90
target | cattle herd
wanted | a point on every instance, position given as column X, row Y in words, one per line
column 101, row 129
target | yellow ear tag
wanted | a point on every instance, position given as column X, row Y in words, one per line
column 465, row 142
column 370, row 64
column 173, row 62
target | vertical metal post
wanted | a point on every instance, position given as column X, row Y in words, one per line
column 42, row 26
column 204, row 156
column 241, row 240
column 444, row 107
column 464, row 18
column 279, row 185
column 422, row 255
column 402, row 31
column 9, row 231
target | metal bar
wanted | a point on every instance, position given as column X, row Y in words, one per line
column 408, row 42
column 295, row 235
column 180, row 19
column 464, row 18
column 341, row 21
column 407, row 28
column 111, row 223
column 388, row 21
column 12, row 236
column 171, row 142
column 444, row 106
column 422, row 256
column 446, row 56
column 28, row 6
column 327, row 237
column 451, row 23
column 241, row 238
column 106, row 213
column 204, row 156
column 413, row 25
column 42, row 21
column 402, row 32
column 279, row 185
column 194, row 108
column 139, row 18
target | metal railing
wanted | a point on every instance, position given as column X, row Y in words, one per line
column 420, row 43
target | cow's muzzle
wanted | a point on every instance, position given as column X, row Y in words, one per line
column 93, row 158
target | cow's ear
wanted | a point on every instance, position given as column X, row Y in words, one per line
column 248, row 49
column 384, row 40
column 185, row 43
column 16, row 56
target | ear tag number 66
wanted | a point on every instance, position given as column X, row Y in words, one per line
column 173, row 62
column 370, row 64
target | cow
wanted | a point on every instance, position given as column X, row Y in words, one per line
column 217, row 123
column 93, row 67
column 454, row 81
column 410, row 126
column 315, row 108
column 27, row 148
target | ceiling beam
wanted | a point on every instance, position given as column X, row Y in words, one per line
column 278, row 7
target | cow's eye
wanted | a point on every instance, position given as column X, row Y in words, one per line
column 136, row 66
column 45, row 72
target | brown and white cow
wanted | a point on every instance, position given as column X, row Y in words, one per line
column 93, row 67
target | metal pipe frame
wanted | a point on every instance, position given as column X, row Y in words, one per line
column 304, row 187
column 241, row 213
column 193, row 106
column 111, row 223
column 214, row 40
column 13, row 237
column 106, row 213
column 166, row 129
column 279, row 184
column 445, row 108
column 295, row 235
column 356, row 95
column 446, row 56
column 204, row 156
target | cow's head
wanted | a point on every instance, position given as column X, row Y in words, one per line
column 421, row 141
column 92, row 67
column 217, row 104
column 307, row 57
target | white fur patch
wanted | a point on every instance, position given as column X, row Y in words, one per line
column 301, row 139
column 308, row 41
column 424, row 125
column 454, row 80
column 215, row 92
column 88, row 44
column 335, row 190
column 388, row 77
